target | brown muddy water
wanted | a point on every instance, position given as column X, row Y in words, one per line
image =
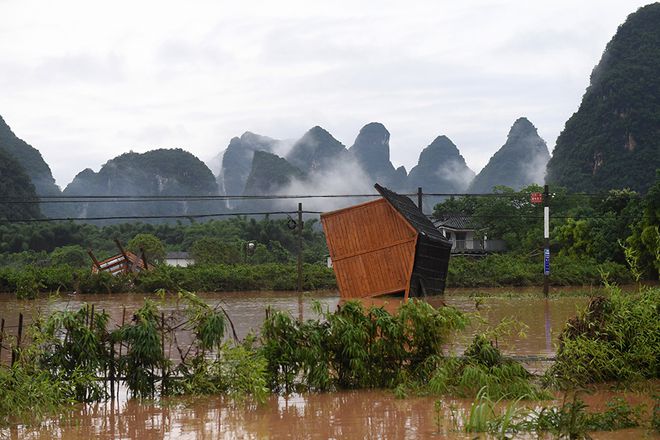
column 340, row 415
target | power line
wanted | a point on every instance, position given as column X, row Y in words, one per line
column 153, row 217
column 127, row 198
column 265, row 213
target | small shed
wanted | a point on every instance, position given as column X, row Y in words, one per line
column 386, row 246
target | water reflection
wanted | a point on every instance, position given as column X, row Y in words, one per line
column 342, row 415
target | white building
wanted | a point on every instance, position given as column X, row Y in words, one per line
column 182, row 259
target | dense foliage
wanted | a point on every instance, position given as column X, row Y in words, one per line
column 275, row 241
column 521, row 270
column 613, row 140
column 28, row 282
column 618, row 228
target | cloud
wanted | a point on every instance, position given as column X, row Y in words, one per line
column 116, row 72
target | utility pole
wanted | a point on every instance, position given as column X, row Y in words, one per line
column 546, row 237
column 419, row 198
column 299, row 226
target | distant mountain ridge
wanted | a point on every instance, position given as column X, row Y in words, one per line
column 237, row 160
column 16, row 184
column 316, row 150
column 371, row 150
column 520, row 162
column 440, row 169
column 30, row 159
column 161, row 172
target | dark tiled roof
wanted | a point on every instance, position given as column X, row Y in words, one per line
column 454, row 221
column 177, row 255
column 411, row 213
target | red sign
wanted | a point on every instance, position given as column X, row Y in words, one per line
column 536, row 197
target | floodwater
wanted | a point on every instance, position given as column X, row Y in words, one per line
column 348, row 414
column 365, row 414
column 541, row 319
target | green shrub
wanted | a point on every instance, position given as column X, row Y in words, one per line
column 615, row 338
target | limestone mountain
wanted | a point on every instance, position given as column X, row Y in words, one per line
column 317, row 150
column 15, row 185
column 440, row 169
column 270, row 174
column 518, row 163
column 30, row 159
column 371, row 151
column 237, row 160
column 162, row 172
column 613, row 140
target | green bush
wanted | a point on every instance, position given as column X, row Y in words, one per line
column 356, row 347
column 519, row 270
column 615, row 338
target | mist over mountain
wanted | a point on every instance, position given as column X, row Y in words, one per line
column 440, row 169
column 237, row 159
column 320, row 164
column 161, row 172
column 371, row 151
column 16, row 184
column 613, row 140
column 520, row 162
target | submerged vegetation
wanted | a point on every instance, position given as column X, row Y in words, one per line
column 616, row 338
column 570, row 419
column 483, row 366
column 188, row 347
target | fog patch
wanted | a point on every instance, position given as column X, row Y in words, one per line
column 340, row 178
column 282, row 147
column 457, row 174
column 534, row 170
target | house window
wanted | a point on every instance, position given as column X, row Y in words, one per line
column 460, row 240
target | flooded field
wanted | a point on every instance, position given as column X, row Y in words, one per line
column 344, row 414
column 247, row 310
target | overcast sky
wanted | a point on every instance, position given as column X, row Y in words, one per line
column 84, row 81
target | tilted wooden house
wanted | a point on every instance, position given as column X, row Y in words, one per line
column 386, row 246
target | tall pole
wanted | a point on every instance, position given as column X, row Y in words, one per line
column 419, row 198
column 299, row 226
column 546, row 237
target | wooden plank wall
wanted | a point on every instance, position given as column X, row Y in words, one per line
column 372, row 249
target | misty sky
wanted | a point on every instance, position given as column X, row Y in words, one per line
column 84, row 81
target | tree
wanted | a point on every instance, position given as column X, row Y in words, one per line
column 74, row 256
column 644, row 243
column 153, row 247
column 212, row 250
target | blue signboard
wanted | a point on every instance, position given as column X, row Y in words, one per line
column 546, row 261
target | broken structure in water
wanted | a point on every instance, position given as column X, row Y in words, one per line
column 386, row 246
column 122, row 263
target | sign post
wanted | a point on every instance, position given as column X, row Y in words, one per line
column 546, row 237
